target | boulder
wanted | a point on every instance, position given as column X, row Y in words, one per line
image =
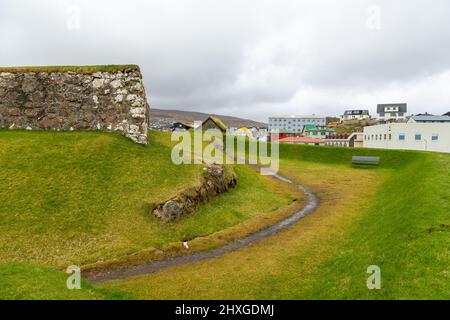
column 171, row 210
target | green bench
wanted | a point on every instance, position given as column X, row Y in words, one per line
column 371, row 161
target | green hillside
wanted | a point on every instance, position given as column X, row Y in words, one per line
column 80, row 197
column 395, row 216
column 25, row 281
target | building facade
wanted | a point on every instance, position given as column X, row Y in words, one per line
column 354, row 140
column 294, row 124
column 303, row 140
column 213, row 122
column 392, row 112
column 409, row 136
column 355, row 115
column 319, row 132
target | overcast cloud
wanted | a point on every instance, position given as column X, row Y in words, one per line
column 248, row 58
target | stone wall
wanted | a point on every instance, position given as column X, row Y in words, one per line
column 107, row 101
column 216, row 179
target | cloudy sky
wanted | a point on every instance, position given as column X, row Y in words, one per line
column 252, row 58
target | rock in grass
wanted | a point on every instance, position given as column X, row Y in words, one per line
column 171, row 210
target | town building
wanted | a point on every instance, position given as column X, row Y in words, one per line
column 294, row 124
column 213, row 122
column 253, row 132
column 180, row 126
column 409, row 136
column 162, row 124
column 355, row 115
column 302, row 140
column 353, row 140
column 320, row 132
column 428, row 118
column 392, row 112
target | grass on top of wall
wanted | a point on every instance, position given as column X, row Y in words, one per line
column 77, row 69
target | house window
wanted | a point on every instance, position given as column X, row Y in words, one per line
column 418, row 137
column 434, row 137
column 401, row 136
column 390, row 136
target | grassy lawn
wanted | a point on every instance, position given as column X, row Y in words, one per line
column 395, row 216
column 31, row 281
column 79, row 197
column 75, row 198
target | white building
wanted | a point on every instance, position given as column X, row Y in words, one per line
column 392, row 112
column 354, row 115
column 295, row 124
column 409, row 136
column 354, row 140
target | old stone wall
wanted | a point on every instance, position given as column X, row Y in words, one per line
column 107, row 101
column 216, row 179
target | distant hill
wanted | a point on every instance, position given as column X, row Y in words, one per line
column 189, row 117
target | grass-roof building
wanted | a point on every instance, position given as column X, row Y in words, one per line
column 213, row 122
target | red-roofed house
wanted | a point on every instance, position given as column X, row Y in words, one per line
column 302, row 140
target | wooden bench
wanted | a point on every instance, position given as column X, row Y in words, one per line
column 372, row 161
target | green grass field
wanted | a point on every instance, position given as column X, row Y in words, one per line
column 30, row 281
column 76, row 198
column 67, row 198
column 395, row 216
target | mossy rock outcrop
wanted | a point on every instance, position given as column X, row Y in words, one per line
column 216, row 179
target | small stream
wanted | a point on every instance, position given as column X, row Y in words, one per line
column 154, row 266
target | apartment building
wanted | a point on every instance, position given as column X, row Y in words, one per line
column 295, row 124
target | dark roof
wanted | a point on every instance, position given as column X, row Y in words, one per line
column 424, row 114
column 356, row 112
column 403, row 107
column 179, row 125
column 431, row 118
column 447, row 114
